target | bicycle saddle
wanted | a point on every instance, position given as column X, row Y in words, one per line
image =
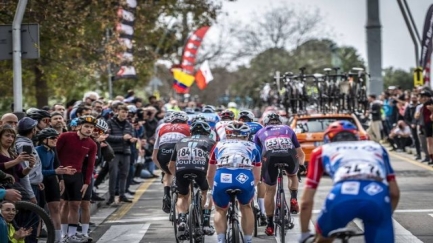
column 190, row 176
column 342, row 233
column 233, row 191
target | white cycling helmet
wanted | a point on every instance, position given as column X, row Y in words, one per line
column 237, row 129
column 178, row 117
column 232, row 105
column 272, row 117
column 102, row 124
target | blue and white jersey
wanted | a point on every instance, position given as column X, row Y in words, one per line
column 220, row 129
column 360, row 160
column 235, row 153
column 254, row 127
column 211, row 119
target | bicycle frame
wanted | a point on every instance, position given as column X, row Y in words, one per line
column 234, row 234
column 282, row 210
column 194, row 214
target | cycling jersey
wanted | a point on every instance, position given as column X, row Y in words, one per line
column 254, row 127
column 278, row 144
column 360, row 172
column 234, row 159
column 191, row 155
column 166, row 138
column 220, row 129
column 72, row 151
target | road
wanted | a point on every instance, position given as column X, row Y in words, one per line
column 143, row 221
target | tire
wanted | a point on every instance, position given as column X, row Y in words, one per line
column 26, row 220
column 256, row 219
column 236, row 235
column 174, row 215
column 282, row 217
column 191, row 223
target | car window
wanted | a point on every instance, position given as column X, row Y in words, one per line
column 316, row 124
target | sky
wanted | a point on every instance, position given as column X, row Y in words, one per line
column 347, row 19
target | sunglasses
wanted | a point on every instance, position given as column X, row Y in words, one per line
column 99, row 131
column 46, row 120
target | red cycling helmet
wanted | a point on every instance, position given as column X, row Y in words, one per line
column 339, row 131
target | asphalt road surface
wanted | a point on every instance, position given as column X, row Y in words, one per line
column 143, row 221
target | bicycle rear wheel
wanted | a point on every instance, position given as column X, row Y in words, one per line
column 191, row 222
column 28, row 216
column 256, row 218
column 283, row 212
column 236, row 234
column 173, row 216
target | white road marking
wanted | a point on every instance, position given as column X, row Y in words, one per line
column 132, row 233
column 397, row 211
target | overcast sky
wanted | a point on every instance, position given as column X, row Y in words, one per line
column 347, row 19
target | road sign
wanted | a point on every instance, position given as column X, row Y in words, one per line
column 418, row 79
column 29, row 41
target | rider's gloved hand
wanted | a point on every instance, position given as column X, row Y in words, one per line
column 302, row 168
column 305, row 236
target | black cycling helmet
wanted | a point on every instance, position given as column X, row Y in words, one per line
column 37, row 114
column 47, row 133
column 87, row 119
column 200, row 128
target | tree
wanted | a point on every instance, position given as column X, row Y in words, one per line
column 397, row 77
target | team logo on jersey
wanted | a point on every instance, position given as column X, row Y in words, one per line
column 373, row 189
column 242, row 178
column 226, row 178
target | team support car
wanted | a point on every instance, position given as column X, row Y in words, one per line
column 309, row 129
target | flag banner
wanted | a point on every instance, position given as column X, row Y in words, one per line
column 190, row 50
column 426, row 43
column 125, row 32
column 183, row 77
column 180, row 88
column 203, row 75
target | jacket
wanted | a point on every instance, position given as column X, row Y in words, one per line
column 35, row 176
column 117, row 131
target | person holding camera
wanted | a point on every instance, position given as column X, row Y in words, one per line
column 400, row 136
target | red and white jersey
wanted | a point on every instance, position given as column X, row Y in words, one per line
column 220, row 128
column 359, row 161
column 171, row 133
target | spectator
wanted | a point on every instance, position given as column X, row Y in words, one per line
column 8, row 212
column 9, row 119
column 97, row 107
column 425, row 122
column 59, row 108
column 57, row 122
column 388, row 108
column 374, row 130
column 42, row 117
column 409, row 118
column 400, row 136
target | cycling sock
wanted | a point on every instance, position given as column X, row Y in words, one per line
column 248, row 238
column 270, row 220
column 167, row 191
column 58, row 235
column 294, row 194
column 72, row 229
column 85, row 229
column 221, row 238
column 64, row 228
column 206, row 217
column 262, row 205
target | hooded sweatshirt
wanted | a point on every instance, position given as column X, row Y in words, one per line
column 35, row 176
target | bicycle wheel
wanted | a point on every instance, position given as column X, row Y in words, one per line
column 29, row 215
column 173, row 213
column 283, row 216
column 236, row 235
column 191, row 222
column 256, row 218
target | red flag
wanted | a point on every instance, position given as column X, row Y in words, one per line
column 203, row 76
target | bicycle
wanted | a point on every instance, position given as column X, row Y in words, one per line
column 234, row 234
column 282, row 217
column 257, row 214
column 29, row 215
column 173, row 214
column 194, row 212
column 343, row 234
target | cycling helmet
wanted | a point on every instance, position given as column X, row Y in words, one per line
column 246, row 116
column 132, row 109
column 189, row 110
column 178, row 117
column 74, row 122
column 37, row 114
column 200, row 128
column 227, row 114
column 167, row 117
column 208, row 109
column 232, row 105
column 198, row 118
column 47, row 133
column 272, row 117
column 102, row 124
column 340, row 131
column 87, row 119
column 237, row 129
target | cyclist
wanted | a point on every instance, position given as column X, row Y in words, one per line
column 276, row 142
column 43, row 118
column 166, row 138
column 234, row 164
column 200, row 117
column 191, row 155
column 72, row 149
column 54, row 186
column 364, row 185
column 211, row 116
column 227, row 116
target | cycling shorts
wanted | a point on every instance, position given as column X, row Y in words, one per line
column 183, row 183
column 242, row 179
column 270, row 171
column 366, row 200
column 89, row 189
column 164, row 156
column 428, row 129
column 52, row 189
column 73, row 185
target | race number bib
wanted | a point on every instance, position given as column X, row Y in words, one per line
column 235, row 159
column 192, row 154
column 278, row 143
column 360, row 171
